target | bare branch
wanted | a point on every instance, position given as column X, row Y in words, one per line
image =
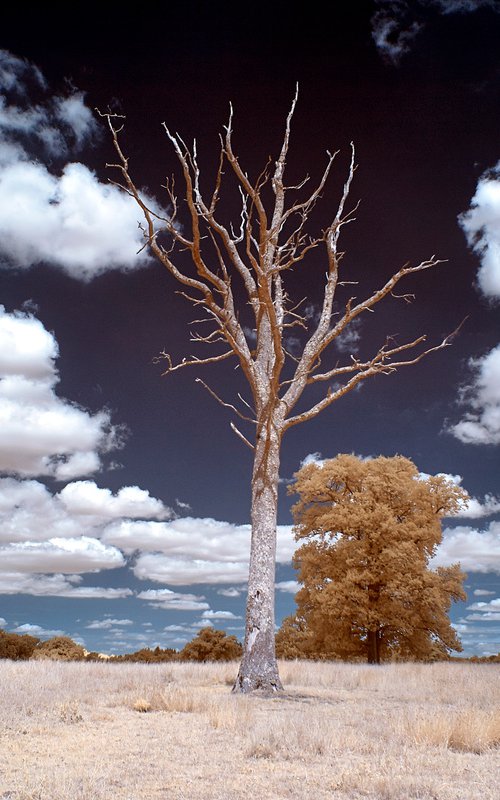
column 408, row 298
column 245, row 403
column 240, row 435
column 192, row 361
column 223, row 403
column 379, row 358
column 377, row 366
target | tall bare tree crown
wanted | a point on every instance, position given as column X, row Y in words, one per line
column 261, row 248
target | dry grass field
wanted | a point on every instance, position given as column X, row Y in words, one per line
column 91, row 731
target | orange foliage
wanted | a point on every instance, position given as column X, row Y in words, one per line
column 370, row 528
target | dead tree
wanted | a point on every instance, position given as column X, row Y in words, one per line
column 268, row 240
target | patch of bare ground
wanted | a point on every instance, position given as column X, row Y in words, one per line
column 90, row 731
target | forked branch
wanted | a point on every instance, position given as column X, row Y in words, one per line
column 260, row 249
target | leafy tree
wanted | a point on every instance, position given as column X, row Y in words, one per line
column 147, row 655
column 211, row 645
column 293, row 640
column 369, row 529
column 60, row 648
column 16, row 647
column 238, row 278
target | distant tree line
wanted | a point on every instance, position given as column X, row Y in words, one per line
column 292, row 642
column 208, row 645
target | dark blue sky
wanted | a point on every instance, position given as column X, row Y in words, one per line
column 422, row 110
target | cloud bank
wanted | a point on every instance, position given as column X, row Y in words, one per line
column 191, row 551
column 47, row 540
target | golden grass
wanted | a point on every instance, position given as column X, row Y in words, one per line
column 471, row 730
column 96, row 731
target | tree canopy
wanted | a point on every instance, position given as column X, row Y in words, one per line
column 17, row 647
column 211, row 645
column 369, row 529
column 60, row 648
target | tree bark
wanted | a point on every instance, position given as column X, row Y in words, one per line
column 259, row 668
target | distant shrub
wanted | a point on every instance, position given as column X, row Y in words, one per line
column 16, row 647
column 493, row 659
column 211, row 645
column 60, row 648
column 93, row 656
column 146, row 655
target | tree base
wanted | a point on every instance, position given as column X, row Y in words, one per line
column 265, row 684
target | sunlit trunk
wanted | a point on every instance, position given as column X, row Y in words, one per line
column 259, row 669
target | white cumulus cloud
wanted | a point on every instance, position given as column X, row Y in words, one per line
column 56, row 586
column 46, row 533
column 46, row 536
column 40, row 432
column 109, row 622
column 231, row 591
column 477, row 551
column 492, row 605
column 219, row 615
column 474, row 508
column 184, row 571
column 14, row 71
column 85, row 498
column 29, row 512
column 168, row 600
column 349, row 340
column 37, row 630
column 60, row 214
column 481, row 425
column 83, row 554
column 75, row 222
column 291, row 587
column 481, row 225
column 26, row 347
column 191, row 550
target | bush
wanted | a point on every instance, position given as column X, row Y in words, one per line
column 211, row 645
column 146, row 655
column 15, row 647
column 61, row 648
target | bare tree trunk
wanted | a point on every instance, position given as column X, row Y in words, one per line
column 259, row 669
